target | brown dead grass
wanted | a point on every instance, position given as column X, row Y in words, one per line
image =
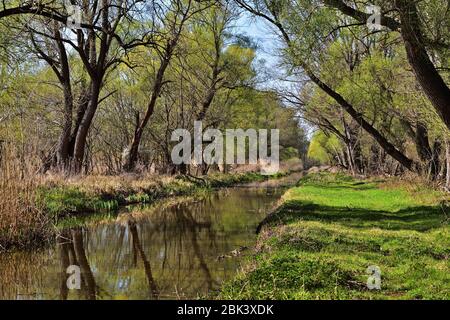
column 22, row 220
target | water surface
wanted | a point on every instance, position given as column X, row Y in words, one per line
column 165, row 252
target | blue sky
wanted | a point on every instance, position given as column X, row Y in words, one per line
column 262, row 33
column 269, row 45
column 264, row 36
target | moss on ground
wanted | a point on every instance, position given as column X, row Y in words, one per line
column 330, row 228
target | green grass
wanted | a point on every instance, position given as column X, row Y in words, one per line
column 330, row 228
column 60, row 201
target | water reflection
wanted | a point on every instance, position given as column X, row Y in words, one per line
column 72, row 252
column 137, row 249
column 157, row 253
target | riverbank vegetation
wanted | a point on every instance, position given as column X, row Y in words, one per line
column 88, row 109
column 330, row 228
column 86, row 124
column 96, row 193
column 375, row 71
column 31, row 208
column 110, row 106
column 22, row 221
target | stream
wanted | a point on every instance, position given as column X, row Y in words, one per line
column 184, row 250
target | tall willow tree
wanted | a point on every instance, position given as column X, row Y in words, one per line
column 339, row 57
column 425, row 30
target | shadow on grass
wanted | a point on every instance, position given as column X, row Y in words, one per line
column 339, row 185
column 419, row 218
column 353, row 187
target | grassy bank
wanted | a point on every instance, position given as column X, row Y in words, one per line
column 330, row 228
column 101, row 193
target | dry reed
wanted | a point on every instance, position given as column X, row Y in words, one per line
column 22, row 218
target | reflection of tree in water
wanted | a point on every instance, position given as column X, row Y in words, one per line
column 137, row 249
column 178, row 246
column 178, row 226
column 72, row 252
column 184, row 213
column 64, row 244
column 171, row 237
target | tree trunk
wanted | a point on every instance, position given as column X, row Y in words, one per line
column 62, row 151
column 429, row 78
column 133, row 152
column 83, row 129
column 429, row 156
column 422, row 143
column 435, row 163
column 83, row 102
column 359, row 118
column 350, row 160
column 132, row 158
